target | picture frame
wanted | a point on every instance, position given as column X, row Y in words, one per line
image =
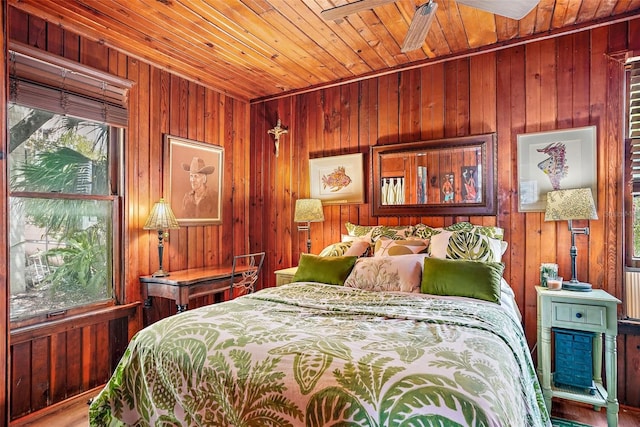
column 449, row 176
column 193, row 180
column 555, row 160
column 337, row 179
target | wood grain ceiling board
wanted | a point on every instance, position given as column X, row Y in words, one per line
column 258, row 49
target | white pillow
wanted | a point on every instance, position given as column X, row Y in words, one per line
column 387, row 273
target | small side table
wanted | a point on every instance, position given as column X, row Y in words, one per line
column 594, row 311
column 285, row 276
column 180, row 286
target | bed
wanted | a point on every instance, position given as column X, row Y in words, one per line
column 316, row 354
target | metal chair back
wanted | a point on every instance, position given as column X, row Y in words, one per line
column 244, row 273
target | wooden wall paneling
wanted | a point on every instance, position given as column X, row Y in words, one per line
column 118, row 333
column 147, row 181
column 213, row 119
column 55, row 40
column 101, row 349
column 533, row 83
column 633, row 35
column 176, row 253
column 598, row 261
column 349, row 143
column 239, row 186
column 139, row 208
column 57, row 356
column 582, row 117
column 256, row 226
column 282, row 164
column 368, row 104
column 512, row 72
column 388, row 105
column 5, row 369
column 432, row 101
column 228, row 140
column 36, row 32
column 73, row 353
column 86, row 356
column 17, row 24
column 330, row 147
column 614, row 136
column 291, row 112
column 195, row 244
column 39, row 373
column 20, row 392
column 71, row 46
column 482, row 106
column 630, row 364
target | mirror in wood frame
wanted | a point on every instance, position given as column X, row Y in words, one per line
column 452, row 176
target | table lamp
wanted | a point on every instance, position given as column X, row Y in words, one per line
column 567, row 205
column 308, row 211
column 161, row 218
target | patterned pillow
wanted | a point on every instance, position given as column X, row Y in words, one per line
column 336, row 249
column 465, row 245
column 389, row 247
column 487, row 230
column 359, row 248
column 425, row 232
column 387, row 273
column 356, row 247
column 374, row 232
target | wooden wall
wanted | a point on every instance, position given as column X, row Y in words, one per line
column 160, row 103
column 564, row 82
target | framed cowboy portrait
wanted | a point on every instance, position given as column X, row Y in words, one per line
column 194, row 177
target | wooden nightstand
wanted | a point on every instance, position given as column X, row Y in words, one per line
column 594, row 311
column 285, row 276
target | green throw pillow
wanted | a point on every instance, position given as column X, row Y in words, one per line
column 331, row 270
column 461, row 278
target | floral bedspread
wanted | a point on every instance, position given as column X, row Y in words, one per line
column 318, row 355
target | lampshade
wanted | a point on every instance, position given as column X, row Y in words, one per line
column 161, row 217
column 308, row 210
column 563, row 205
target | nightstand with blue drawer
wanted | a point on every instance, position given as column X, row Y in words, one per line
column 574, row 359
column 592, row 313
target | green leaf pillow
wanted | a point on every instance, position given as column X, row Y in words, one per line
column 462, row 278
column 332, row 270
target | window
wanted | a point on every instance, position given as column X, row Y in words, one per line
column 632, row 193
column 66, row 131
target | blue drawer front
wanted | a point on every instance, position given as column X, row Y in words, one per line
column 573, row 358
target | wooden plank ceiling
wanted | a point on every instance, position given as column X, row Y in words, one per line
column 256, row 49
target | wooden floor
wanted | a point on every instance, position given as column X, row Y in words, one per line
column 75, row 414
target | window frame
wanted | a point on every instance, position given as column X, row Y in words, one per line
column 108, row 90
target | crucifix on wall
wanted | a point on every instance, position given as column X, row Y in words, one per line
column 276, row 132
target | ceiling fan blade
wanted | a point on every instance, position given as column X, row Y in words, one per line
column 340, row 12
column 419, row 27
column 514, row 9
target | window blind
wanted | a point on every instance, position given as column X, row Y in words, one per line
column 634, row 123
column 41, row 80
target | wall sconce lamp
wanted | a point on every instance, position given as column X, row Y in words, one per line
column 276, row 132
column 308, row 211
column 567, row 205
column 161, row 218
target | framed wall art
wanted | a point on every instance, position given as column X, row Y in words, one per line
column 193, row 179
column 555, row 160
column 337, row 179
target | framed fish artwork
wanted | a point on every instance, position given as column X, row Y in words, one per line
column 555, row 160
column 337, row 179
